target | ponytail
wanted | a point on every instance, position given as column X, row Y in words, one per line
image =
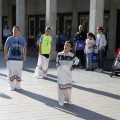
column 92, row 35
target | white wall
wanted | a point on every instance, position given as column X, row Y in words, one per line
column 4, row 8
column 117, row 4
column 35, row 7
column 106, row 4
column 64, row 6
column 83, row 5
column 7, row 6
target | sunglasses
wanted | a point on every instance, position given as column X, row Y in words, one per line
column 98, row 29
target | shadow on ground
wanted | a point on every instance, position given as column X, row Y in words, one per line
column 53, row 78
column 2, row 95
column 70, row 109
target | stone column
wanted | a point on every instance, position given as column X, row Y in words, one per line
column 20, row 16
column 74, row 22
column 51, row 17
column 74, row 19
column 9, row 16
column 112, row 30
column 96, row 15
column 0, row 24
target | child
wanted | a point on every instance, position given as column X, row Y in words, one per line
column 89, row 47
column 15, row 57
column 44, row 54
column 118, row 50
column 117, row 60
column 66, row 61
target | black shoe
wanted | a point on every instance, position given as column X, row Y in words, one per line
column 92, row 69
column 77, row 66
column 82, row 67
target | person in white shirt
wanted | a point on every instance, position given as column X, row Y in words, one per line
column 6, row 34
column 66, row 62
column 100, row 43
column 89, row 48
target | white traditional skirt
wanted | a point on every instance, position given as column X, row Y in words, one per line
column 42, row 66
column 64, row 83
column 14, row 68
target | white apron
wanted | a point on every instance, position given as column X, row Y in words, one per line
column 42, row 67
column 14, row 68
column 64, row 84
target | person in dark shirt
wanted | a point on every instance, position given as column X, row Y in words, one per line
column 79, row 45
column 58, row 41
column 64, row 37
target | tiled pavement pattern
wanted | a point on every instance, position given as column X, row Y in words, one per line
column 95, row 96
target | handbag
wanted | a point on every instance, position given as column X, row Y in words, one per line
column 94, row 57
column 80, row 44
column 96, row 50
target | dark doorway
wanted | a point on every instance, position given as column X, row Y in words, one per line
column 13, row 15
column 35, row 23
column 64, row 21
column 118, row 30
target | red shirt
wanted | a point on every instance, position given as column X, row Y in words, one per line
column 118, row 50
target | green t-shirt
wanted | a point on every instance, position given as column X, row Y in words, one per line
column 45, row 44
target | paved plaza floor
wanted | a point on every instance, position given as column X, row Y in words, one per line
column 95, row 96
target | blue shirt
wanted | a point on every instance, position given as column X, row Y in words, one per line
column 15, row 47
column 64, row 38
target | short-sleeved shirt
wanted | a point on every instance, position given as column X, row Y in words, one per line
column 46, row 44
column 100, row 40
column 15, row 47
column 64, row 38
column 89, row 43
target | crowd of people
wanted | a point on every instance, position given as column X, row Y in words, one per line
column 66, row 61
column 85, row 45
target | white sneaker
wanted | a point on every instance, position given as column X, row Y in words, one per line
column 101, row 70
column 11, row 88
column 97, row 69
column 69, row 102
column 61, row 104
column 41, row 77
column 18, row 88
column 12, row 85
column 18, row 85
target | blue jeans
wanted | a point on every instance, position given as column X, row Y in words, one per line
column 89, row 60
column 100, row 59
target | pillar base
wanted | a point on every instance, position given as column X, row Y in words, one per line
column 1, row 47
column 95, row 66
column 111, row 54
column 53, row 55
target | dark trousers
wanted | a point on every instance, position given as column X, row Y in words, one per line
column 58, row 48
column 3, row 41
column 62, row 47
column 81, row 57
column 101, row 59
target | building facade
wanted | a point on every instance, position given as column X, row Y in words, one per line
column 32, row 15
